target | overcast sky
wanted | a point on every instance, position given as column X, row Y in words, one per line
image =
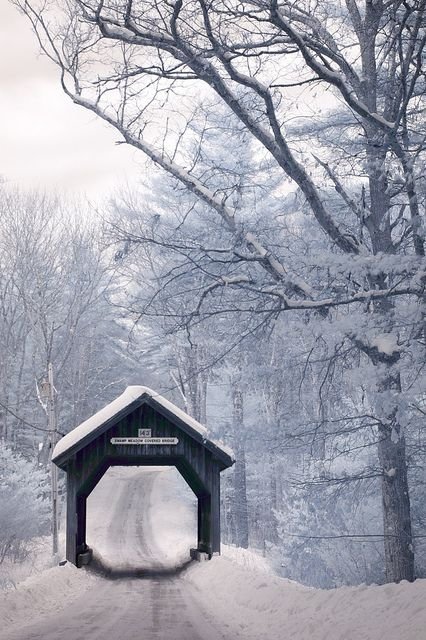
column 45, row 139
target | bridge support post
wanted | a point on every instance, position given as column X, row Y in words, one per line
column 204, row 520
column 72, row 526
column 215, row 512
column 81, row 523
column 77, row 551
column 209, row 518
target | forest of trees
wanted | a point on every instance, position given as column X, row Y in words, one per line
column 267, row 274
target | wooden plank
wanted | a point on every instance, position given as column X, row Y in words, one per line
column 71, row 530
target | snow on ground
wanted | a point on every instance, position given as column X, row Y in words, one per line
column 263, row 607
column 247, row 558
column 38, row 559
column 173, row 513
column 41, row 594
column 259, row 606
column 236, row 590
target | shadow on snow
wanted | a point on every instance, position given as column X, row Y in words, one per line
column 100, row 567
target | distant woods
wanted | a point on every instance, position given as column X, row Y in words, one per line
column 55, row 283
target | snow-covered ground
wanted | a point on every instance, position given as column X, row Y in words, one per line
column 261, row 607
column 233, row 596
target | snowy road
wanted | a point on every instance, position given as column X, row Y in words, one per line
column 138, row 594
column 142, row 524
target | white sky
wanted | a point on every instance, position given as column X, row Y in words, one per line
column 46, row 140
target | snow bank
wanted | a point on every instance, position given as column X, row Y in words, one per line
column 260, row 607
column 254, row 604
column 247, row 558
column 39, row 559
column 47, row 592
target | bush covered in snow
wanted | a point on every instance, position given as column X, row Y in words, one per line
column 24, row 504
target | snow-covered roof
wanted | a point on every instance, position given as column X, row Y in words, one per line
column 130, row 399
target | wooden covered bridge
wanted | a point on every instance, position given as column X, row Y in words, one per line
column 139, row 428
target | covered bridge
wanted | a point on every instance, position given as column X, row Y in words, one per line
column 140, row 427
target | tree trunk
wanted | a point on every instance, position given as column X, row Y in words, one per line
column 240, row 486
column 240, row 499
column 398, row 541
column 399, row 556
column 196, row 382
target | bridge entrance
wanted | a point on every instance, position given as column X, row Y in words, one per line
column 141, row 428
column 141, row 521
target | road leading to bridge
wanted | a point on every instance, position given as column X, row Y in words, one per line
column 137, row 595
column 137, row 590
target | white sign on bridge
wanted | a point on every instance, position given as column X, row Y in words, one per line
column 144, row 440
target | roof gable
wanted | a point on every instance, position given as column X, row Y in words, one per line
column 132, row 398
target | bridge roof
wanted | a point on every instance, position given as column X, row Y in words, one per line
column 132, row 398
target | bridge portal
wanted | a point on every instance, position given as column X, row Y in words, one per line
column 140, row 427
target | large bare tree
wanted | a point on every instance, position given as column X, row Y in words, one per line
column 353, row 71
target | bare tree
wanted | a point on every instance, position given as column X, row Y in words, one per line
column 54, row 309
